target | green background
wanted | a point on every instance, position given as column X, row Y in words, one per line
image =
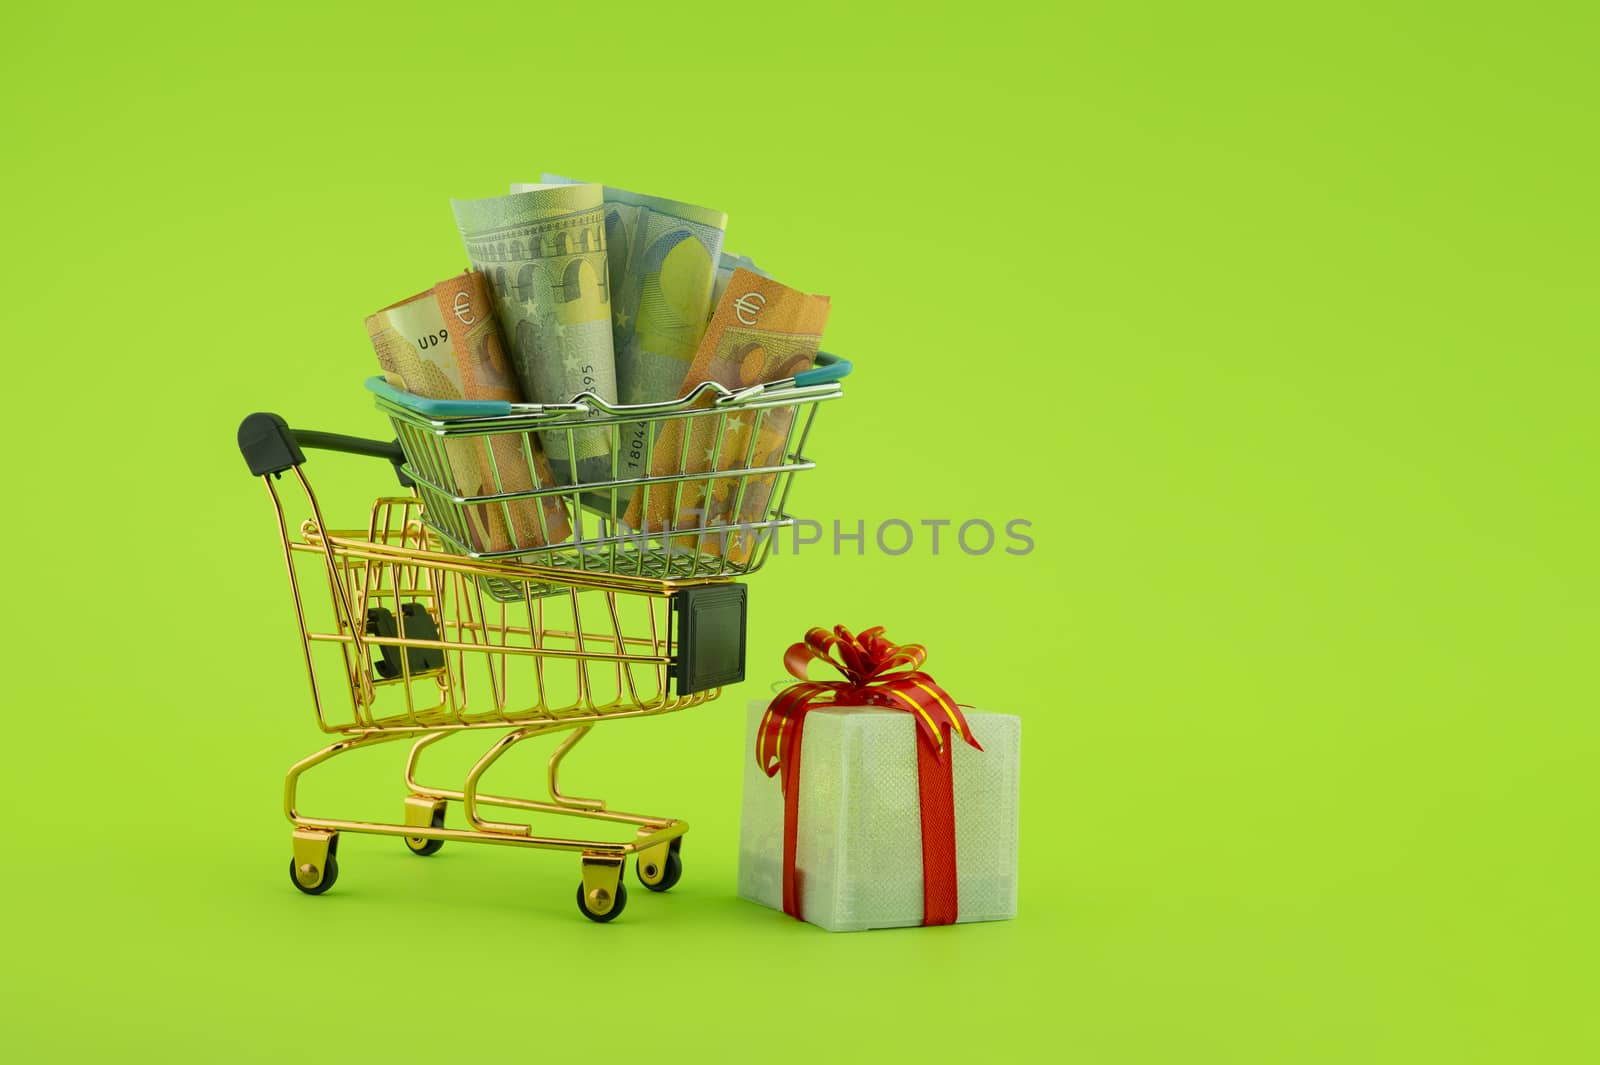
column 1277, row 323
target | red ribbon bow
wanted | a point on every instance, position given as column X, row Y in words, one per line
column 879, row 673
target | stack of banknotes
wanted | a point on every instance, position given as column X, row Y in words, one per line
column 578, row 287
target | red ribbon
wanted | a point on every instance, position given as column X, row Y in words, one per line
column 879, row 673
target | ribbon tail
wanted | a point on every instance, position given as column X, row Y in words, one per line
column 936, row 796
column 791, row 819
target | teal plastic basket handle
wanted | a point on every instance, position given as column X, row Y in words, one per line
column 828, row 368
column 438, row 408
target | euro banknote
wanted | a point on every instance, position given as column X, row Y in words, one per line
column 762, row 330
column 543, row 252
column 662, row 256
column 443, row 344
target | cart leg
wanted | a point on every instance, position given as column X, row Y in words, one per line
column 469, row 790
column 554, row 772
column 411, row 761
column 314, row 867
column 292, row 782
column 601, row 894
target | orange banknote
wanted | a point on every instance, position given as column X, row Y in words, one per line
column 444, row 344
column 761, row 331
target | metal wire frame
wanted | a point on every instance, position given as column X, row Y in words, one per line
column 618, row 669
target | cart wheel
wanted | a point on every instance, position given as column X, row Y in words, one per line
column 330, row 873
column 670, row 873
column 616, row 907
column 421, row 845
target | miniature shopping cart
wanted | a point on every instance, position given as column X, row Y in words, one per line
column 516, row 591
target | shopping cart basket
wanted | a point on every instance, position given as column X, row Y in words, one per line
column 438, row 623
column 707, row 476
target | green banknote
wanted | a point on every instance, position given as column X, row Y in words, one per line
column 543, row 252
column 662, row 255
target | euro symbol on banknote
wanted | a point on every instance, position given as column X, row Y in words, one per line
column 748, row 306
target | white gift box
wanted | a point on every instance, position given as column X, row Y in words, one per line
column 858, row 860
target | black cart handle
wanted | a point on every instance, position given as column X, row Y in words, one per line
column 269, row 446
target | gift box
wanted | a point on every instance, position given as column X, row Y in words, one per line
column 859, row 854
column 878, row 786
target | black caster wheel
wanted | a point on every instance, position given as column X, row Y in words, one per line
column 329, row 874
column 609, row 915
column 669, row 875
column 423, row 846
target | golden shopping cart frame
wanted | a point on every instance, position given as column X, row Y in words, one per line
column 425, row 650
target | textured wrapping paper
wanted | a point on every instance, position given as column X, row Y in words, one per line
column 860, row 845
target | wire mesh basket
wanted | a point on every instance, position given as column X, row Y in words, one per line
column 695, row 487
